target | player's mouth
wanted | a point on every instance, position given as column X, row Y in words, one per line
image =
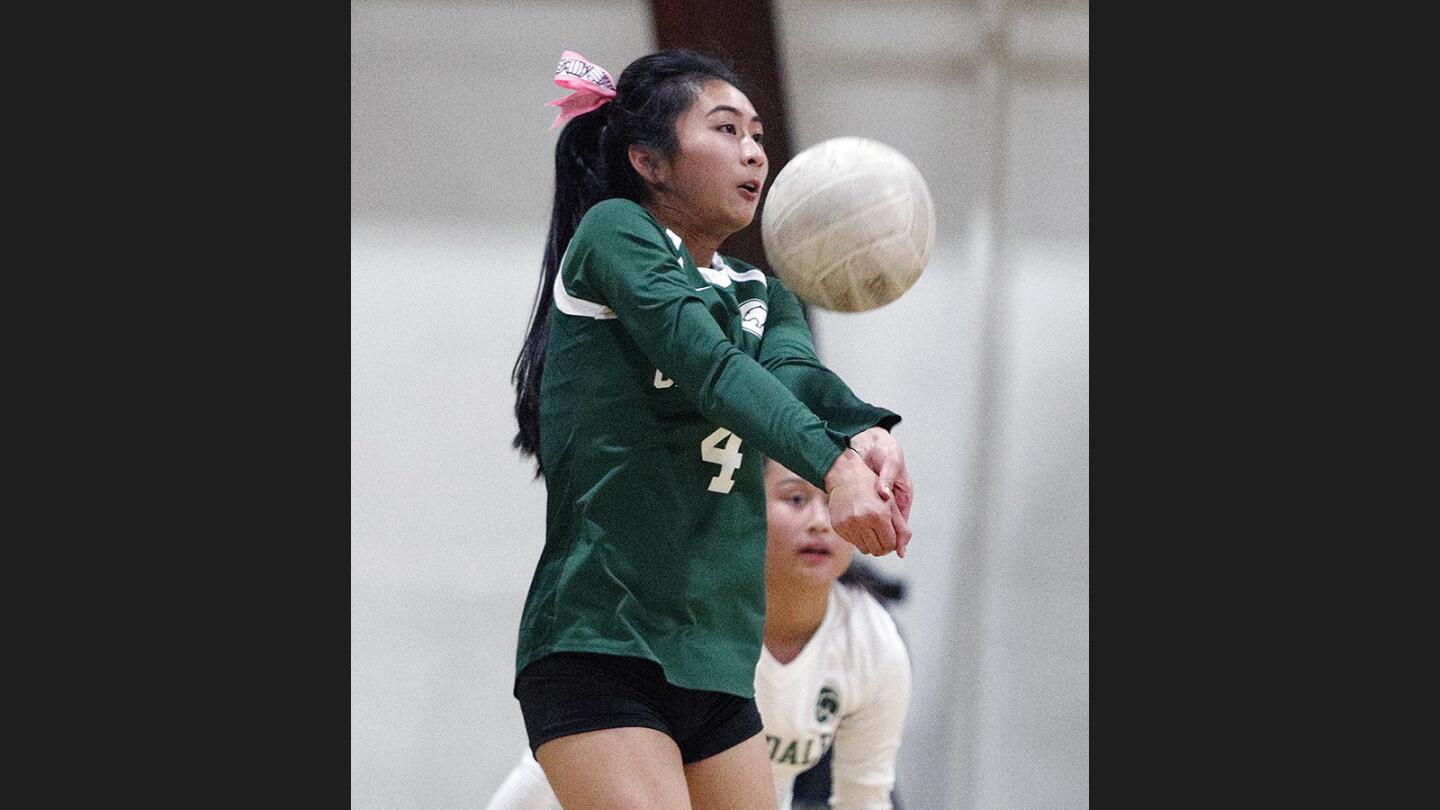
column 815, row 552
column 750, row 190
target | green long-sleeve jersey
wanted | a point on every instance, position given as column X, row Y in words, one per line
column 665, row 384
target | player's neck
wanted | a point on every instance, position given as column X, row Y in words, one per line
column 792, row 615
column 702, row 245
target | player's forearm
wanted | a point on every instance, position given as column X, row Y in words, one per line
column 828, row 397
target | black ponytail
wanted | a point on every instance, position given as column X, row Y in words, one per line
column 579, row 184
column 592, row 163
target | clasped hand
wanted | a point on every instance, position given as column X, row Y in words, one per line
column 871, row 494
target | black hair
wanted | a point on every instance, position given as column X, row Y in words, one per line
column 592, row 163
column 866, row 577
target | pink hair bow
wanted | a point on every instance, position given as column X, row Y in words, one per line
column 591, row 83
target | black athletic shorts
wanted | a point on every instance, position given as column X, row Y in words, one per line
column 570, row 693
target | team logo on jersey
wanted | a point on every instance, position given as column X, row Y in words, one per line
column 828, row 705
column 752, row 316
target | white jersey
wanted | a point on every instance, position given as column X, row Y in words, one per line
column 848, row 688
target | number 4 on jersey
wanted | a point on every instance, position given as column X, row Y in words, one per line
column 728, row 457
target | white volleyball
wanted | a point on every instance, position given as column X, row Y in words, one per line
column 849, row 224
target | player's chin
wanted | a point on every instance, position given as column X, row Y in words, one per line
column 813, row 575
column 742, row 213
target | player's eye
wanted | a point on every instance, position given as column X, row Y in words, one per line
column 797, row 499
column 730, row 128
column 759, row 138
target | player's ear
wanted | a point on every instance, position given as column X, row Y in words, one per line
column 648, row 165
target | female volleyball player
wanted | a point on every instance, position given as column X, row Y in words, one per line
column 834, row 672
column 654, row 374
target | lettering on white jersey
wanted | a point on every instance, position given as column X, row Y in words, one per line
column 783, row 752
column 752, row 316
column 660, row 381
column 810, row 747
